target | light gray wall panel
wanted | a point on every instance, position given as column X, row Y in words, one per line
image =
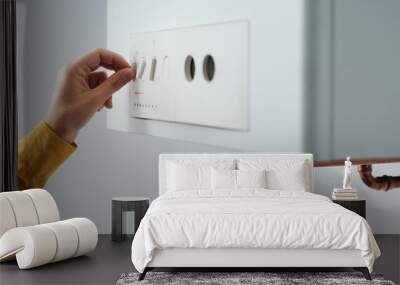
column 112, row 163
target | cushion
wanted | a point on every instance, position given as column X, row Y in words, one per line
column 281, row 174
column 223, row 179
column 67, row 237
column 187, row 174
column 45, row 243
column 87, row 233
column 237, row 179
column 188, row 177
column 23, row 208
column 26, row 208
column 7, row 220
column 251, row 178
column 32, row 246
column 45, row 205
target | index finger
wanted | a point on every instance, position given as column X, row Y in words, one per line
column 101, row 57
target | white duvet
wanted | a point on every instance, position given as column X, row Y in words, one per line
column 250, row 218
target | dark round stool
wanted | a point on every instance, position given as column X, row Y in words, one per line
column 123, row 204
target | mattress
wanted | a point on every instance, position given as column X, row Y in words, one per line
column 250, row 219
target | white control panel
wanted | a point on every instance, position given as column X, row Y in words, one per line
column 196, row 75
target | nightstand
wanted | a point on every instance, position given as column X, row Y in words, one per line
column 357, row 206
column 123, row 204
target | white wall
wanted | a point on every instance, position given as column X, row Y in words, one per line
column 275, row 64
column 353, row 67
column 112, row 163
column 366, row 78
column 107, row 163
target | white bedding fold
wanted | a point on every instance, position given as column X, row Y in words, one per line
column 250, row 218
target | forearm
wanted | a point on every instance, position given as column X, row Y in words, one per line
column 83, row 91
column 40, row 153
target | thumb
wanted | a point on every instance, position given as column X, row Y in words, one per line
column 113, row 83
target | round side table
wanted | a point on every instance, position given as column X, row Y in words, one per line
column 123, row 204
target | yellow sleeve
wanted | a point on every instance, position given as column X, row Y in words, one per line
column 40, row 153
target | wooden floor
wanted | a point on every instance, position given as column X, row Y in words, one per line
column 110, row 260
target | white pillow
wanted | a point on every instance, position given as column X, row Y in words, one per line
column 237, row 179
column 281, row 174
column 223, row 179
column 187, row 174
column 183, row 177
column 251, row 178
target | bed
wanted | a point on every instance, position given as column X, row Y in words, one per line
column 247, row 211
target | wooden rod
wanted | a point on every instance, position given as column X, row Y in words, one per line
column 384, row 182
column 367, row 161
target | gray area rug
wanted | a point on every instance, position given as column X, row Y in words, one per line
column 273, row 278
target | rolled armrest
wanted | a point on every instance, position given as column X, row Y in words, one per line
column 26, row 208
column 40, row 244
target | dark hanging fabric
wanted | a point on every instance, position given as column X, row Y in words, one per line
column 8, row 97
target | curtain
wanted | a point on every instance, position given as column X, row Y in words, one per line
column 8, row 97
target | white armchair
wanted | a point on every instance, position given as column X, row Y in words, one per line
column 31, row 230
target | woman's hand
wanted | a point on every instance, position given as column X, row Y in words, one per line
column 83, row 91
